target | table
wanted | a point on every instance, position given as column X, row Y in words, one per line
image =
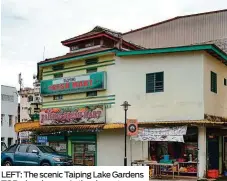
column 157, row 167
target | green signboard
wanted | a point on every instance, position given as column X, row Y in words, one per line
column 66, row 85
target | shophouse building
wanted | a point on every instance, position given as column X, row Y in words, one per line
column 167, row 87
column 9, row 105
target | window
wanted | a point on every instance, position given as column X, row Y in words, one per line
column 213, row 82
column 225, row 82
column 30, row 98
column 31, row 148
column 92, row 93
column 9, row 98
column 91, row 61
column 91, row 70
column 22, row 148
column 58, row 75
column 58, row 67
column 2, row 139
column 10, row 120
column 10, row 141
column 3, row 146
column 12, row 149
column 58, row 97
column 155, row 82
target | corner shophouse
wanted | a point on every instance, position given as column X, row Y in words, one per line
column 166, row 87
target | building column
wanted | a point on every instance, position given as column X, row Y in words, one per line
column 202, row 148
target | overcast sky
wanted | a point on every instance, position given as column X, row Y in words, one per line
column 29, row 25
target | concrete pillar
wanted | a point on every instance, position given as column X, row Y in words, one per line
column 202, row 146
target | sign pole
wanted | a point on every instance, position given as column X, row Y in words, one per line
column 125, row 158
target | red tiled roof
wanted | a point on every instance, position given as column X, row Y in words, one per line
column 70, row 55
column 80, row 36
column 171, row 19
column 94, row 31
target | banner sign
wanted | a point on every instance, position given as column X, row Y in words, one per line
column 83, row 83
column 171, row 131
column 73, row 115
column 159, row 138
column 173, row 134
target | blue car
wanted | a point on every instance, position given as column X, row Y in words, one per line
column 33, row 155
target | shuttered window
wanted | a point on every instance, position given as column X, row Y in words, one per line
column 92, row 94
column 91, row 61
column 155, row 82
column 58, row 67
column 213, row 83
column 58, row 75
column 91, row 70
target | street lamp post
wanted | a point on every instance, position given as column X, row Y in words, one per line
column 125, row 105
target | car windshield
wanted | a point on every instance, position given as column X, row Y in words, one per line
column 3, row 146
column 46, row 149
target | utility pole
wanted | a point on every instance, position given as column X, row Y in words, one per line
column 20, row 81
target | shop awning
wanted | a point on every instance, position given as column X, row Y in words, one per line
column 35, row 126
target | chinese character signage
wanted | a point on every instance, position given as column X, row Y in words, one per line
column 83, row 83
column 73, row 115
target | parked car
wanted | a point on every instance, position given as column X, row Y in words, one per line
column 33, row 155
column 3, row 146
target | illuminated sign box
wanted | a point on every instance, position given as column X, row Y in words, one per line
column 77, row 84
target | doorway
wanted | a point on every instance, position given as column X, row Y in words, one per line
column 213, row 152
column 84, row 153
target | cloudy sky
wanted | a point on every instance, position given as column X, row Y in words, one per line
column 29, row 25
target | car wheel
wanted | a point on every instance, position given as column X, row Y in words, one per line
column 7, row 163
column 45, row 164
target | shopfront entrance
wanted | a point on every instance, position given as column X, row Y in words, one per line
column 83, row 149
column 213, row 152
column 225, row 152
column 84, row 153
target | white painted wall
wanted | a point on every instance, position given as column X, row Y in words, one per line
column 24, row 113
column 110, row 148
column 8, row 108
column 215, row 104
column 182, row 98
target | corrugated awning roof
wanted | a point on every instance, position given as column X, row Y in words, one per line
column 35, row 126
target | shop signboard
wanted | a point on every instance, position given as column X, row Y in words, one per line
column 73, row 115
column 42, row 139
column 173, row 134
column 66, row 85
column 24, row 135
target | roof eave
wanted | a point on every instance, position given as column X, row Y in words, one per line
column 99, row 53
column 209, row 48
